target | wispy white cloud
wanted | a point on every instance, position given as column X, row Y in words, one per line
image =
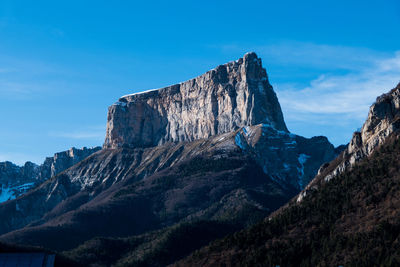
column 343, row 82
column 368, row 74
column 349, row 94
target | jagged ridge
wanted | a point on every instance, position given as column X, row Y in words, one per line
column 17, row 180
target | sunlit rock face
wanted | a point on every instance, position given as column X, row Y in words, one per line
column 224, row 99
column 230, row 98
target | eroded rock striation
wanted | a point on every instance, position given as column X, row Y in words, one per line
column 222, row 100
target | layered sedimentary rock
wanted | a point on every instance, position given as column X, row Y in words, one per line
column 224, row 99
column 233, row 96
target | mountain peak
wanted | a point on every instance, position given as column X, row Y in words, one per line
column 250, row 56
column 222, row 100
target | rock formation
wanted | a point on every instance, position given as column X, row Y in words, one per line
column 383, row 120
column 16, row 180
column 214, row 148
column 352, row 220
column 286, row 157
column 63, row 160
column 233, row 96
column 230, row 96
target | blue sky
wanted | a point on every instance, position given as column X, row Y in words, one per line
column 62, row 63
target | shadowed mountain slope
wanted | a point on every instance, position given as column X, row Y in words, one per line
column 351, row 218
column 202, row 186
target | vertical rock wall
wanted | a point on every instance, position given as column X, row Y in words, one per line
column 230, row 96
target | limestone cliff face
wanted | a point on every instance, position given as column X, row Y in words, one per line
column 224, row 99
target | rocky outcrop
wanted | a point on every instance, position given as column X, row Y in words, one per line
column 383, row 120
column 222, row 100
column 63, row 160
column 16, row 180
column 11, row 173
column 233, row 96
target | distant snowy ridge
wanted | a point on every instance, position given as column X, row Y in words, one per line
column 17, row 180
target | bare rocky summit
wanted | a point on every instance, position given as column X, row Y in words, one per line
column 234, row 96
column 222, row 100
column 383, row 119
